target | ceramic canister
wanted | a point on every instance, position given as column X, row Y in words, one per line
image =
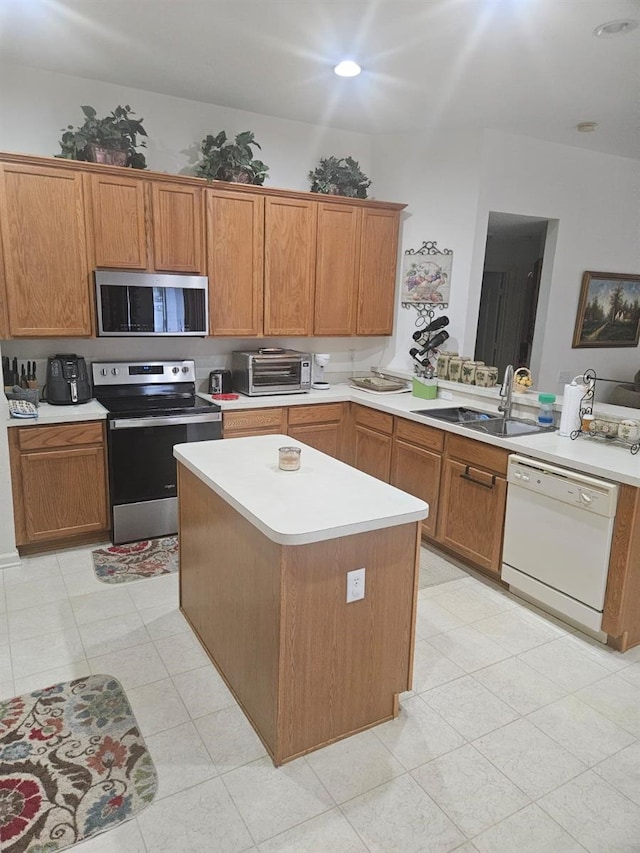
column 629, row 430
column 469, row 372
column 484, row 376
column 442, row 370
column 455, row 368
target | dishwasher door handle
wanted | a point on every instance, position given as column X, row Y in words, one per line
column 467, row 476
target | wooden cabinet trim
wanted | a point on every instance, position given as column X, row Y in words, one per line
column 372, row 418
column 421, row 434
column 220, row 186
column 254, row 419
column 60, row 435
column 316, row 414
column 477, row 453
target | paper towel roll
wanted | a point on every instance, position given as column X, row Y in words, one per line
column 570, row 415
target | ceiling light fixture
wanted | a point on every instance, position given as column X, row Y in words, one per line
column 615, row 28
column 587, row 126
column 347, row 68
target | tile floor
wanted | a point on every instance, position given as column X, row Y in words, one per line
column 520, row 734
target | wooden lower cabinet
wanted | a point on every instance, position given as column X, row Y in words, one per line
column 416, row 469
column 372, row 440
column 246, row 422
column 59, row 482
column 320, row 426
column 473, row 496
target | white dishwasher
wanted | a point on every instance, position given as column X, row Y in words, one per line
column 557, row 539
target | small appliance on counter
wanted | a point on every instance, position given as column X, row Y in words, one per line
column 67, row 380
column 220, row 382
column 271, row 370
column 320, row 361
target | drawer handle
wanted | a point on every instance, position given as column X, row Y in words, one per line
column 467, row 476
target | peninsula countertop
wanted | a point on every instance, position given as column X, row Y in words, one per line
column 324, row 499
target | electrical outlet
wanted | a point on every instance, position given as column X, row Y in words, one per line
column 355, row 585
column 565, row 377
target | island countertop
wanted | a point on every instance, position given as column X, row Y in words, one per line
column 324, row 499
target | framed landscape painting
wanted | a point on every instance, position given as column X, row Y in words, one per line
column 609, row 311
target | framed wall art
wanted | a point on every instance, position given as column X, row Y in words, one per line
column 608, row 311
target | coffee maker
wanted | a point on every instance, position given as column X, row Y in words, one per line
column 320, row 361
column 67, row 380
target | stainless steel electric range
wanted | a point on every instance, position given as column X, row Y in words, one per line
column 152, row 406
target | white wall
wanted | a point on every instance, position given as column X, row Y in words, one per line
column 40, row 103
column 452, row 183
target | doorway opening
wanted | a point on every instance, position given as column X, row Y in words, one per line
column 510, row 289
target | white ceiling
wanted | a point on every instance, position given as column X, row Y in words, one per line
column 529, row 67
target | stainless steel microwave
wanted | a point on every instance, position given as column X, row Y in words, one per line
column 271, row 371
column 140, row 304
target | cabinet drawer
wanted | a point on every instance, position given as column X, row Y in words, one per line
column 373, row 419
column 61, row 435
column 254, row 419
column 477, row 453
column 320, row 414
column 425, row 436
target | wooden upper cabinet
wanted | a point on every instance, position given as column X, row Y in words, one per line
column 290, row 254
column 119, row 229
column 45, row 256
column 235, row 258
column 337, row 259
column 377, row 273
column 177, row 228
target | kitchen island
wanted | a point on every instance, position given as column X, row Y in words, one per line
column 264, row 556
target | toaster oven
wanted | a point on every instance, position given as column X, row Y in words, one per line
column 271, row 371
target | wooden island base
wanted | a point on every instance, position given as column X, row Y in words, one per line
column 306, row 667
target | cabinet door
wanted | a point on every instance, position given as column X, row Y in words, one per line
column 290, row 253
column 64, row 493
column 235, row 262
column 177, row 228
column 324, row 437
column 45, row 254
column 472, row 514
column 417, row 471
column 336, row 269
column 254, row 422
column 119, row 231
column 377, row 276
column 372, row 452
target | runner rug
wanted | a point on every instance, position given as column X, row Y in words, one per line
column 146, row 559
column 72, row 764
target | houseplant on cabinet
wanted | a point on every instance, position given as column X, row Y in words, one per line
column 112, row 140
column 339, row 176
column 231, row 161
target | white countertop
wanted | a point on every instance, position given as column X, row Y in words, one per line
column 588, row 455
column 324, row 499
column 48, row 414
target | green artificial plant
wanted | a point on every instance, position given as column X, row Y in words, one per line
column 231, row 161
column 113, row 139
column 339, row 176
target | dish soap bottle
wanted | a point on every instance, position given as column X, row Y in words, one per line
column 546, row 416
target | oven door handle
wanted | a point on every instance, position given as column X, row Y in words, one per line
column 171, row 420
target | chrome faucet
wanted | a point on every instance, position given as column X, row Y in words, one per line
column 506, row 392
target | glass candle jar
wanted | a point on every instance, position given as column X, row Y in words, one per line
column 289, row 458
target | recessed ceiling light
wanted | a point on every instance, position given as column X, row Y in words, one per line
column 347, row 68
column 586, row 126
column 615, row 28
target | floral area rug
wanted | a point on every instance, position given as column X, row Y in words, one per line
column 146, row 559
column 72, row 764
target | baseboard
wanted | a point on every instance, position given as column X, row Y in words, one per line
column 9, row 559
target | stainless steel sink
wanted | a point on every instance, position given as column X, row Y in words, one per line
column 455, row 414
column 507, row 427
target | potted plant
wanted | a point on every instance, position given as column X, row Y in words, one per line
column 112, row 140
column 339, row 176
column 231, row 161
